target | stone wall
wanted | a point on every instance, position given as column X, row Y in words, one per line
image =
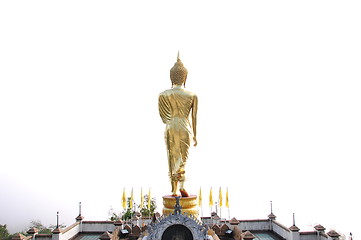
column 251, row 225
column 98, row 226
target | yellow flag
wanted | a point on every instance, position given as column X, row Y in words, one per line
column 141, row 198
column 220, row 198
column 210, row 198
column 124, row 200
column 149, row 199
column 227, row 201
column 200, row 197
column 131, row 200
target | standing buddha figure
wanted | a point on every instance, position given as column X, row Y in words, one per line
column 176, row 107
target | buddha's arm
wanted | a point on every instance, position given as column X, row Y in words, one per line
column 194, row 119
column 163, row 107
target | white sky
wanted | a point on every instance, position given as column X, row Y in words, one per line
column 279, row 106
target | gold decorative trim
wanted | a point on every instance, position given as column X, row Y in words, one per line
column 189, row 204
column 193, row 211
column 186, row 202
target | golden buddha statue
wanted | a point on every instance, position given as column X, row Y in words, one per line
column 176, row 105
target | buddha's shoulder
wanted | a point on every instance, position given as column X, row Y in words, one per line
column 190, row 93
column 182, row 92
column 166, row 92
column 177, row 91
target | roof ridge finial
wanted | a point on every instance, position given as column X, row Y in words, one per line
column 294, row 228
column 79, row 217
column 271, row 216
column 57, row 219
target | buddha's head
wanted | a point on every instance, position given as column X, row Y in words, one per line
column 178, row 73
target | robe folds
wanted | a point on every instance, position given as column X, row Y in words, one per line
column 175, row 106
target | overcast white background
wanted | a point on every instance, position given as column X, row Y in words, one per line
column 279, row 107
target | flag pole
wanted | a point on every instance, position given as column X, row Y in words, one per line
column 220, row 201
column 200, row 200
column 149, row 201
column 132, row 205
column 211, row 202
column 124, row 200
column 141, row 199
column 141, row 206
column 220, row 212
column 227, row 204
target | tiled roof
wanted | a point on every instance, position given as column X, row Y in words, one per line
column 33, row 230
column 106, row 236
column 294, row 228
column 57, row 230
column 333, row 233
column 90, row 237
column 267, row 235
column 248, row 235
column 18, row 236
column 319, row 227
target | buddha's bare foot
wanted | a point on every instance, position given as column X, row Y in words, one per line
column 184, row 193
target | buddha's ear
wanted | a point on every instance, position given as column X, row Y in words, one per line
column 184, row 84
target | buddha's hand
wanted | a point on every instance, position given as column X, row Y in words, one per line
column 194, row 141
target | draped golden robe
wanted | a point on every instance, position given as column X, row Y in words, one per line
column 175, row 106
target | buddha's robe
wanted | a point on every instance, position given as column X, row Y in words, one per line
column 175, row 106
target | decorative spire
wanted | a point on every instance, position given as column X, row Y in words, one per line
column 271, row 216
column 79, row 218
column 294, row 228
column 57, row 219
column 57, row 230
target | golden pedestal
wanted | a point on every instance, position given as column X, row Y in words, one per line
column 189, row 205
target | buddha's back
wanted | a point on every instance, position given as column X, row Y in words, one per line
column 175, row 103
column 175, row 107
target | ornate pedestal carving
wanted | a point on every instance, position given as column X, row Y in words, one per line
column 189, row 205
column 178, row 226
